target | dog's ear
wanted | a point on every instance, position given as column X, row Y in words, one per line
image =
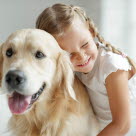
column 65, row 74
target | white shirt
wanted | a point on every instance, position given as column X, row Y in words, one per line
column 106, row 63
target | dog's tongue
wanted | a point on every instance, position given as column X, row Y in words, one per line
column 18, row 103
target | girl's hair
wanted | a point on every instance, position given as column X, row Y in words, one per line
column 58, row 18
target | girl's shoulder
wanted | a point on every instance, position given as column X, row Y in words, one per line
column 111, row 62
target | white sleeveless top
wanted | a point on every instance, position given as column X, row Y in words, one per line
column 106, row 63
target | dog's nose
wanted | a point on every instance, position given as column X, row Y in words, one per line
column 15, row 79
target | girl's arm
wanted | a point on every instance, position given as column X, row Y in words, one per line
column 118, row 93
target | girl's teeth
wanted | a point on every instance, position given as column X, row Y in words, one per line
column 85, row 62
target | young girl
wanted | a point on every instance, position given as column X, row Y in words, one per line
column 108, row 74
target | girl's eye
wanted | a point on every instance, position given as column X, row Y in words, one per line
column 85, row 45
column 39, row 55
column 9, row 52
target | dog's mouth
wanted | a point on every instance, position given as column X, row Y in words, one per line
column 19, row 103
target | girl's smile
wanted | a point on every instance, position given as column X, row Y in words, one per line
column 85, row 64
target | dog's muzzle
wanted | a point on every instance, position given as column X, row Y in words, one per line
column 17, row 101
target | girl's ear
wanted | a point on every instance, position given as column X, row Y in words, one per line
column 65, row 74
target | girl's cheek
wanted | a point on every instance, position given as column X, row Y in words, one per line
column 72, row 60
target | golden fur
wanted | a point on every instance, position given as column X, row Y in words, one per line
column 63, row 108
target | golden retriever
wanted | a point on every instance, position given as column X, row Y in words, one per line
column 44, row 97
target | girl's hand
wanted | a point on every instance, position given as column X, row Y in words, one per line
column 118, row 93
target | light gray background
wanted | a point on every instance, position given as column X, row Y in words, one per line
column 115, row 19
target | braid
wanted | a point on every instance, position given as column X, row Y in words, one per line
column 115, row 50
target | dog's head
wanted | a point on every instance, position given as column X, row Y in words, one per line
column 31, row 64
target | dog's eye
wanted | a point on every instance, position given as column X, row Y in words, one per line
column 39, row 55
column 9, row 52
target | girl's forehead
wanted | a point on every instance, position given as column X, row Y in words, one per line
column 75, row 31
column 79, row 21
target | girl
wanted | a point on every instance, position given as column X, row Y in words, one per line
column 108, row 74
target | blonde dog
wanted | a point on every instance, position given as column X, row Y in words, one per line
column 44, row 97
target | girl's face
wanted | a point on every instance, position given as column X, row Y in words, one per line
column 78, row 41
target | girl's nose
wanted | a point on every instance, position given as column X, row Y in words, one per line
column 80, row 56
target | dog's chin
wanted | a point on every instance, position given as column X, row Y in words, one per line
column 19, row 104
